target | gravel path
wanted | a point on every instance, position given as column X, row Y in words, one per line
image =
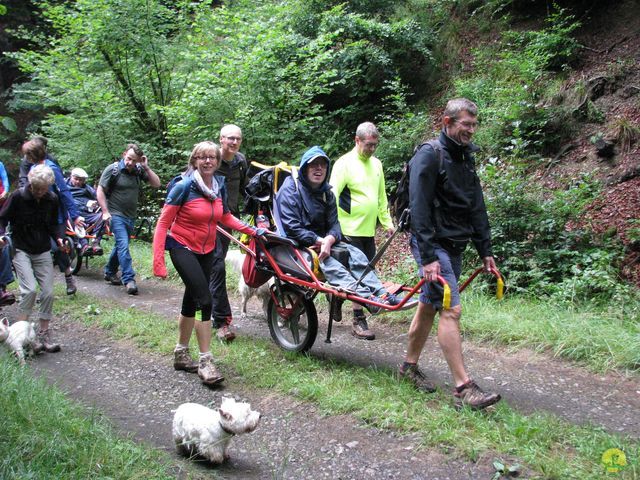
column 138, row 391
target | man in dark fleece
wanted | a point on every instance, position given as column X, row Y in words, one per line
column 447, row 211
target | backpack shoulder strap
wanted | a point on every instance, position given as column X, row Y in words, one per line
column 437, row 147
column 113, row 179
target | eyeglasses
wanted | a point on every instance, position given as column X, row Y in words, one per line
column 199, row 158
column 467, row 124
column 323, row 165
column 233, row 139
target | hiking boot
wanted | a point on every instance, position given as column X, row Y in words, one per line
column 132, row 288
column 182, row 361
column 225, row 334
column 474, row 397
column 45, row 343
column 335, row 309
column 360, row 329
column 208, row 372
column 6, row 298
column 97, row 250
column 71, row 284
column 415, row 376
column 86, row 251
column 112, row 279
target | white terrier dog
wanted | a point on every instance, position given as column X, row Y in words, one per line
column 200, row 430
column 19, row 337
column 235, row 258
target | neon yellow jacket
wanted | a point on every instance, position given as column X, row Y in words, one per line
column 358, row 184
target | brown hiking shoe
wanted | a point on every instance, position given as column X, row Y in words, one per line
column 474, row 397
column 44, row 339
column 225, row 334
column 182, row 361
column 415, row 376
column 360, row 329
column 208, row 372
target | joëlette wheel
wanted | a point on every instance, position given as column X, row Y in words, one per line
column 293, row 321
column 76, row 261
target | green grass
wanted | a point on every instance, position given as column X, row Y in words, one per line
column 549, row 446
column 44, row 436
column 600, row 339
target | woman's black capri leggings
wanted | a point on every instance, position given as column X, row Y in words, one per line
column 194, row 270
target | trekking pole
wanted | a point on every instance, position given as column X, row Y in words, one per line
column 402, row 225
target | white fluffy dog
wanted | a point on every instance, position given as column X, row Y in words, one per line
column 235, row 259
column 200, row 430
column 19, row 337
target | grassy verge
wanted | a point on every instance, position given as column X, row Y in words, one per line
column 549, row 446
column 600, row 338
column 44, row 435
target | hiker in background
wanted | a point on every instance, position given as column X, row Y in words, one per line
column 6, row 273
column 35, row 153
column 444, row 217
column 31, row 212
column 84, row 195
column 358, row 183
column 187, row 228
column 233, row 168
column 117, row 194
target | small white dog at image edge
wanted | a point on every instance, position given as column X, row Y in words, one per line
column 19, row 337
column 198, row 430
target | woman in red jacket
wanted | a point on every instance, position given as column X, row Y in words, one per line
column 187, row 228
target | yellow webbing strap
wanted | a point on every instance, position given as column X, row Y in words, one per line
column 500, row 288
column 316, row 263
column 446, row 297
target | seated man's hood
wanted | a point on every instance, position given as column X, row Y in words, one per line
column 309, row 156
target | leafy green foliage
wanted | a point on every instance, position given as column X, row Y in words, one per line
column 516, row 79
column 535, row 249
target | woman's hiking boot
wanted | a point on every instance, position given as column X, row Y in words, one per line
column 182, row 361
column 208, row 372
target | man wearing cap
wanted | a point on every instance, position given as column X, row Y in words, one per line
column 84, row 196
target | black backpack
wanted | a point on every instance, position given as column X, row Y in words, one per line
column 400, row 207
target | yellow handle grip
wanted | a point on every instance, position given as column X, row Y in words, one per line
column 500, row 288
column 446, row 297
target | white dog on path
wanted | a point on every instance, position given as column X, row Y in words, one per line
column 235, row 259
column 200, row 430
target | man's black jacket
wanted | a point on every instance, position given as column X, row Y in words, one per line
column 446, row 202
column 33, row 222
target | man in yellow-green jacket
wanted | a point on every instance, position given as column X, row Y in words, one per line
column 358, row 184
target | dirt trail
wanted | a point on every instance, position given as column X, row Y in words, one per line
column 139, row 390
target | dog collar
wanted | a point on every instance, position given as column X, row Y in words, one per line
column 225, row 430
